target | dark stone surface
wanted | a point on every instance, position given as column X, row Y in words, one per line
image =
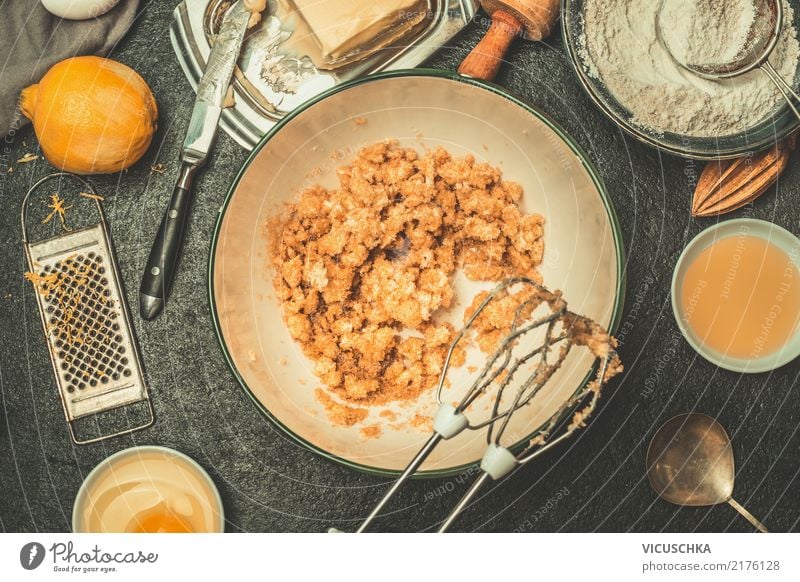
column 269, row 483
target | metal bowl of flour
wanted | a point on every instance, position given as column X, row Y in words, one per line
column 777, row 126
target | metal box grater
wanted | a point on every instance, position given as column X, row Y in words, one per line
column 95, row 358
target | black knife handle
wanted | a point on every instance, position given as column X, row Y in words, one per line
column 162, row 263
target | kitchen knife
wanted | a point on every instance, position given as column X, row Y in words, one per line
column 211, row 94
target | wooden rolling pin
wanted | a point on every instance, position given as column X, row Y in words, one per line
column 533, row 19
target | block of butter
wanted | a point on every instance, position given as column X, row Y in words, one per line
column 343, row 27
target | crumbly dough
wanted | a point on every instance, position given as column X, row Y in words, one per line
column 339, row 413
column 494, row 323
column 255, row 7
column 362, row 270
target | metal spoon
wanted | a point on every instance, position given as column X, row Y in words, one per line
column 761, row 41
column 690, row 462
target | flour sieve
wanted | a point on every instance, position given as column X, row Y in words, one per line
column 85, row 317
column 760, row 42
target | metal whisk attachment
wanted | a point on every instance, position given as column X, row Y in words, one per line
column 525, row 359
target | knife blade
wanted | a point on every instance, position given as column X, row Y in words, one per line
column 200, row 135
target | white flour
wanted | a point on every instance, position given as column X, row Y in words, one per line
column 706, row 32
column 621, row 48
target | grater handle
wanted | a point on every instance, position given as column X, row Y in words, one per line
column 162, row 263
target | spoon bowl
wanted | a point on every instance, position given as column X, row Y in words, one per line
column 690, row 462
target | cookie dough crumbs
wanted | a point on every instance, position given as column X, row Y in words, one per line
column 158, row 169
column 495, row 322
column 256, row 7
column 338, row 413
column 585, row 332
column 389, row 415
column 358, row 265
column 360, row 121
column 580, row 417
column 420, row 422
column 372, row 431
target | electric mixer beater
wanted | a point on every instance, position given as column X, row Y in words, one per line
column 541, row 336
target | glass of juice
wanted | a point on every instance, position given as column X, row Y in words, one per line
column 736, row 295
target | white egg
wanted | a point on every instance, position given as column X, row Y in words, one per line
column 78, row 9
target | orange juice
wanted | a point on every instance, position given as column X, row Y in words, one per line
column 741, row 297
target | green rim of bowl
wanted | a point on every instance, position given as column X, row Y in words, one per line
column 640, row 135
column 108, row 461
column 773, row 234
column 420, row 72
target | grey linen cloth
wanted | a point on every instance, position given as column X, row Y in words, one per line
column 32, row 40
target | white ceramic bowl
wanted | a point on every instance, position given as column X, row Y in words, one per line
column 422, row 109
column 773, row 233
column 83, row 498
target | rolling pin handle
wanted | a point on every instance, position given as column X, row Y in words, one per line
column 485, row 59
